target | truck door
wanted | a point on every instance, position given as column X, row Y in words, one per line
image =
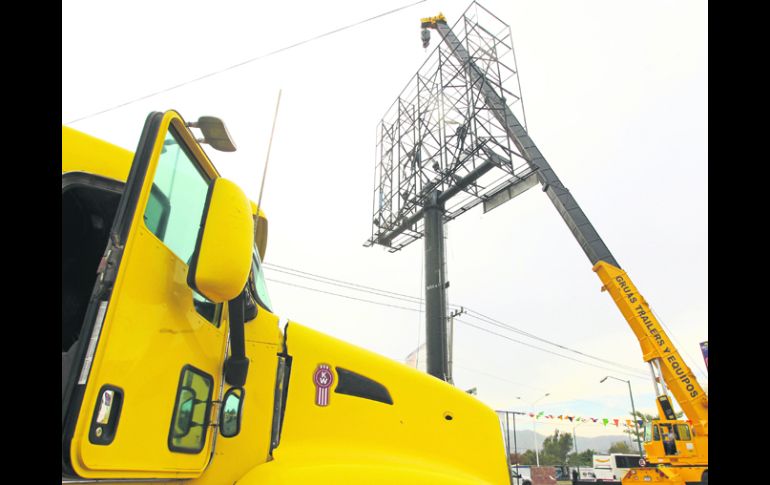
column 142, row 405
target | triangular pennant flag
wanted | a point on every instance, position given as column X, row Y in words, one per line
column 570, row 418
column 531, row 415
column 539, row 414
column 560, row 416
column 628, row 423
column 605, row 421
column 615, row 421
column 594, row 420
column 640, row 422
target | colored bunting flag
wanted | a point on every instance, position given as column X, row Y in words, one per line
column 580, row 419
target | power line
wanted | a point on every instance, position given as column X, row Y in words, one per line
column 500, row 324
column 342, row 296
column 474, row 314
column 342, row 283
column 461, row 321
column 220, row 71
column 412, row 299
column 638, row 376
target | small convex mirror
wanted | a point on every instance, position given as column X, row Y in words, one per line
column 230, row 416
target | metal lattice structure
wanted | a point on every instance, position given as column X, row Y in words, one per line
column 441, row 134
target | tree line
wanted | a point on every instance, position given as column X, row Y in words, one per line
column 558, row 449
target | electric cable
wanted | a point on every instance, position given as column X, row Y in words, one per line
column 242, row 63
column 410, row 299
column 638, row 376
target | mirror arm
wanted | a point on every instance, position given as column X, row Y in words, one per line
column 237, row 365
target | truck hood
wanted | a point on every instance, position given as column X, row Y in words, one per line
column 349, row 406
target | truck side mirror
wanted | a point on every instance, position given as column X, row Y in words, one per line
column 221, row 262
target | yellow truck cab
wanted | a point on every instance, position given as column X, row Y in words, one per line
column 174, row 366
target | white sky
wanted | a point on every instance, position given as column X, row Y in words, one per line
column 616, row 99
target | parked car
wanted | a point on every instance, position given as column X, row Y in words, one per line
column 521, row 477
column 562, row 473
column 585, row 473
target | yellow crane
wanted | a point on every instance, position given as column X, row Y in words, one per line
column 687, row 459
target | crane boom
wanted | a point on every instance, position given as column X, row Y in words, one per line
column 653, row 340
column 667, row 366
column 560, row 196
column 657, row 348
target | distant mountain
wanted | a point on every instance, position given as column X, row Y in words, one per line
column 600, row 444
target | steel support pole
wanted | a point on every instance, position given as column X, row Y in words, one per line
column 435, row 289
column 577, row 453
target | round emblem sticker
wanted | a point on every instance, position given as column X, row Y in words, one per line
column 323, row 379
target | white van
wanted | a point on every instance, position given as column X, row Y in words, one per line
column 613, row 467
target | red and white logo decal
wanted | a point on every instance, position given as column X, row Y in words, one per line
column 323, row 379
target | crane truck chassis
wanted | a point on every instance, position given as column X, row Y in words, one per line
column 174, row 366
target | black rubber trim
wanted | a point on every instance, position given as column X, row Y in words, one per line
column 70, row 180
column 136, row 176
column 279, row 400
column 283, row 374
column 354, row 384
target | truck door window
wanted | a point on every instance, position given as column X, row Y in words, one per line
column 655, row 433
column 190, row 421
column 682, row 432
column 175, row 208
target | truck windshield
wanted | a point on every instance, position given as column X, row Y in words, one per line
column 259, row 281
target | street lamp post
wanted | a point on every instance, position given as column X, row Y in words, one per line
column 507, row 415
column 633, row 411
column 574, row 442
column 534, row 428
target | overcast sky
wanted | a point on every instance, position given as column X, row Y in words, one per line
column 616, row 99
